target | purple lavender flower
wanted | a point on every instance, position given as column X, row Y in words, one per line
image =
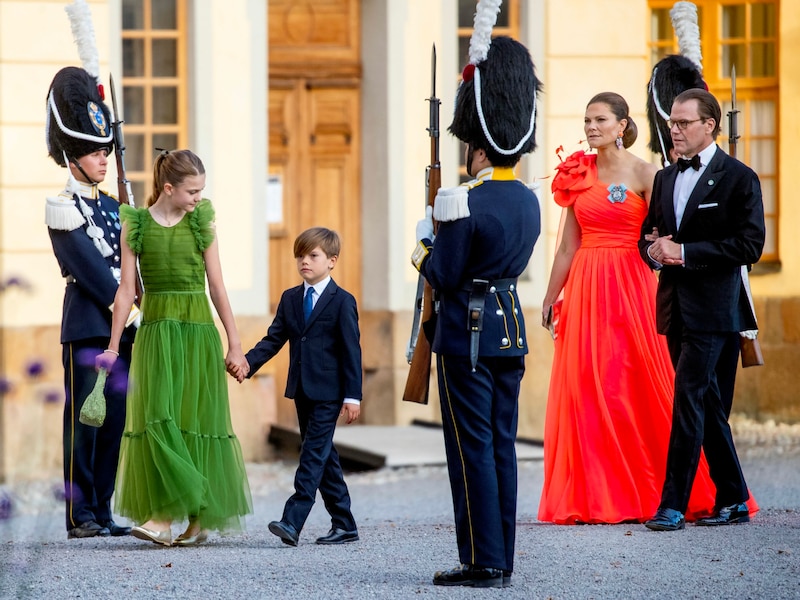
column 5, row 386
column 6, row 505
column 34, row 368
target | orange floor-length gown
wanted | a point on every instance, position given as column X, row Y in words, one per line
column 609, row 408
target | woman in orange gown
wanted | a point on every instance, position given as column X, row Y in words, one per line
column 609, row 409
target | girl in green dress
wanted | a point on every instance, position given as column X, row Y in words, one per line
column 180, row 458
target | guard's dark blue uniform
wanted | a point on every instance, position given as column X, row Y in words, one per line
column 495, row 225
column 90, row 453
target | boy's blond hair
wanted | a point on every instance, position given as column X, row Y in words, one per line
column 327, row 240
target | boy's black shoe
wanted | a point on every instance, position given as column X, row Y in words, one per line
column 286, row 532
column 472, row 576
column 338, row 536
column 87, row 529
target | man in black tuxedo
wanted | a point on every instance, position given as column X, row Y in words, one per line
column 708, row 212
column 320, row 321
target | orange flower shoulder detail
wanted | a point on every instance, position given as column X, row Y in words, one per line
column 576, row 174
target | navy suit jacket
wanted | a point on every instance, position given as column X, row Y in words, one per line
column 325, row 353
column 721, row 230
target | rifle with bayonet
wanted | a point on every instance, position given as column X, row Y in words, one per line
column 124, row 190
column 418, row 352
column 750, row 346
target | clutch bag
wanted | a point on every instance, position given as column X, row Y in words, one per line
column 93, row 411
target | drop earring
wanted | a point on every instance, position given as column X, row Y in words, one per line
column 618, row 142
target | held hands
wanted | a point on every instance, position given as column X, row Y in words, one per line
column 425, row 226
column 236, row 364
column 351, row 411
column 664, row 250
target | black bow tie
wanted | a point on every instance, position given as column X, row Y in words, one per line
column 685, row 163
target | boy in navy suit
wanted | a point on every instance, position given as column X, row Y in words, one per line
column 320, row 321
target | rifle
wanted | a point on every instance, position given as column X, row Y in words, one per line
column 124, row 191
column 418, row 352
column 750, row 347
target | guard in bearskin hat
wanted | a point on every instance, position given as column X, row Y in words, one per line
column 487, row 229
column 672, row 75
column 84, row 227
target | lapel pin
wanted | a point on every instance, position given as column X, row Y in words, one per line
column 710, row 182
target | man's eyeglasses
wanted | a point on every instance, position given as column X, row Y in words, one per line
column 682, row 124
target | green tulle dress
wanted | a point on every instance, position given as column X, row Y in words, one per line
column 179, row 456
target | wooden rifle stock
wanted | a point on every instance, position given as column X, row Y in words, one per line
column 419, row 373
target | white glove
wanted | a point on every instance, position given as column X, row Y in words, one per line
column 425, row 226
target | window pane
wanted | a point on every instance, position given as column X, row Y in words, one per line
column 762, row 118
column 733, row 21
column 132, row 14
column 770, row 243
column 165, row 58
column 164, row 14
column 463, row 51
column 762, row 19
column 734, row 55
column 133, row 105
column 134, row 152
column 502, row 16
column 466, row 13
column 165, row 105
column 762, row 59
column 768, row 194
column 167, row 141
column 139, row 193
column 762, row 156
column 133, row 58
column 660, row 25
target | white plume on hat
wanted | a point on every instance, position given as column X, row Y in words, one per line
column 485, row 18
column 684, row 22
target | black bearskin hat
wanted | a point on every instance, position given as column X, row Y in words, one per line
column 506, row 86
column 78, row 121
column 672, row 75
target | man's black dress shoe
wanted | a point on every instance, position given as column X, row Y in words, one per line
column 471, row 576
column 114, row 529
column 286, row 532
column 666, row 519
column 735, row 513
column 87, row 529
column 338, row 536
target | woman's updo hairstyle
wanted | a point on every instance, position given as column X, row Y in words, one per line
column 619, row 107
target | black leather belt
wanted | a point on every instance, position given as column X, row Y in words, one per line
column 495, row 285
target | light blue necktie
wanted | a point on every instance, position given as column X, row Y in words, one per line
column 308, row 303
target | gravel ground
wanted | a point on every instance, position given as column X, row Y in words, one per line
column 405, row 521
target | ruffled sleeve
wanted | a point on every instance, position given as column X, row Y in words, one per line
column 202, row 223
column 133, row 218
column 573, row 176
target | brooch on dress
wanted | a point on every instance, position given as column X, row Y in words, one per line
column 617, row 193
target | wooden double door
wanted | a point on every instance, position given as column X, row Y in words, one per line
column 314, row 142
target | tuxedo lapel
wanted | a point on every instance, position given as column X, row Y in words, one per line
column 667, row 202
column 708, row 181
